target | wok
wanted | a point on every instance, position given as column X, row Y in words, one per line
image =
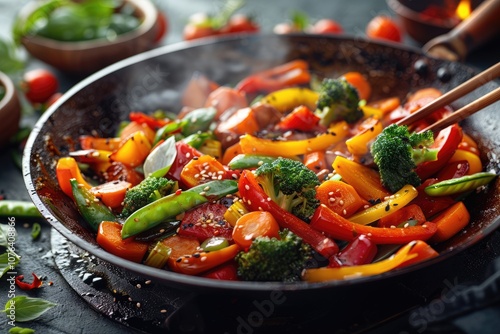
column 155, row 79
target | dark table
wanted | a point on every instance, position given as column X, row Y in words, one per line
column 73, row 313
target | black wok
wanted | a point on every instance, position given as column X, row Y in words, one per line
column 155, row 80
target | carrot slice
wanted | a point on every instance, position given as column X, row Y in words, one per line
column 450, row 222
column 241, row 122
column 180, row 246
column 109, row 237
column 252, row 225
column 111, row 193
column 340, row 197
column 359, row 81
column 386, row 105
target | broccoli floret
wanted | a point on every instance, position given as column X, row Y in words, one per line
column 338, row 100
column 291, row 185
column 149, row 190
column 272, row 259
column 397, row 152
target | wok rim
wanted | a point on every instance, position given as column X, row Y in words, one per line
column 176, row 280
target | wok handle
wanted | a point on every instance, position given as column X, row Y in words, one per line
column 471, row 33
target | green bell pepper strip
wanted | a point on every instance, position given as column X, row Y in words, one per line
column 172, row 205
column 91, row 208
column 460, row 184
column 21, row 209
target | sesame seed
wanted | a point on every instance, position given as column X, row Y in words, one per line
column 203, row 258
column 344, row 212
column 203, row 193
column 341, row 202
column 249, row 202
column 207, row 188
column 138, row 286
column 247, row 187
column 188, row 155
column 147, row 282
column 163, row 311
column 138, row 305
column 185, row 261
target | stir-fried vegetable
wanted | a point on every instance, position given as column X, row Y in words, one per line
column 229, row 190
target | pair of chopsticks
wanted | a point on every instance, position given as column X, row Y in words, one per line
column 482, row 78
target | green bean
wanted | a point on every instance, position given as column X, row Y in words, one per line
column 170, row 206
column 245, row 161
column 459, row 185
column 21, row 209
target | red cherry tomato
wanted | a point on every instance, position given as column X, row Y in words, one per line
column 162, row 26
column 285, row 28
column 240, row 23
column 326, row 26
column 194, row 31
column 39, row 85
column 383, row 27
column 53, row 98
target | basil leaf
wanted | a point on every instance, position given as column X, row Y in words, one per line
column 11, row 60
column 28, row 308
column 8, row 261
column 21, row 330
column 159, row 161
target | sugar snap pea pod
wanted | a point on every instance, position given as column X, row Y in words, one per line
column 198, row 120
column 460, row 184
column 92, row 209
column 21, row 209
column 170, row 206
column 245, row 161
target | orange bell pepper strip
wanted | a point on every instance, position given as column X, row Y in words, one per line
column 254, row 145
column 423, row 251
column 365, row 180
column 200, row 262
column 111, row 193
column 289, row 74
column 340, row 197
column 315, row 161
column 359, row 81
column 450, row 222
column 110, row 239
column 350, row 272
column 134, row 150
column 99, row 143
column 337, row 227
column 257, row 200
column 67, row 169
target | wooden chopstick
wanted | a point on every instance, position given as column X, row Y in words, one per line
column 480, row 79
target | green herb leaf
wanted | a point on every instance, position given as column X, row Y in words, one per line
column 28, row 308
column 21, row 330
column 8, row 261
column 159, row 161
column 11, row 60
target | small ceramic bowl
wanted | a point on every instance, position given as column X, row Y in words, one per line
column 86, row 57
column 10, row 110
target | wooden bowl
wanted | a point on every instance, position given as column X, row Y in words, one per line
column 10, row 110
column 86, row 57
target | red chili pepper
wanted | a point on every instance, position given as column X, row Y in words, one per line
column 28, row 286
column 359, row 251
column 152, row 122
column 337, row 227
column 446, row 142
column 256, row 199
column 290, row 74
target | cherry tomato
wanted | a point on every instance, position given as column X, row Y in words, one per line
column 39, row 85
column 285, row 28
column 199, row 26
column 384, row 27
column 326, row 26
column 162, row 27
column 240, row 23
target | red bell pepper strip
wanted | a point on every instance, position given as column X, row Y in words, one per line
column 257, row 200
column 185, row 153
column 301, row 118
column 431, row 205
column 152, row 122
column 201, row 262
column 446, row 142
column 225, row 272
column 337, row 227
column 290, row 74
column 37, row 282
column 359, row 251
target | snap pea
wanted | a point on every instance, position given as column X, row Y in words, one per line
column 245, row 161
column 170, row 206
column 459, row 185
column 92, row 210
column 21, row 209
column 198, row 120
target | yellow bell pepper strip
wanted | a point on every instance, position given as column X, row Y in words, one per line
column 293, row 73
column 392, row 204
column 289, row 98
column 257, row 200
column 358, row 144
column 370, row 111
column 66, row 169
column 329, row 274
column 134, row 150
column 365, row 180
column 475, row 165
column 200, row 262
column 337, row 227
column 254, row 145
